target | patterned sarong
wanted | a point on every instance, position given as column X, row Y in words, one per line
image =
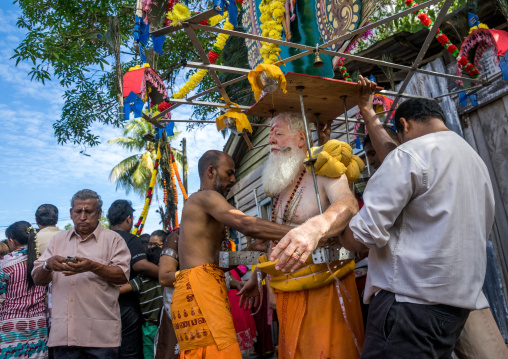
column 202, row 315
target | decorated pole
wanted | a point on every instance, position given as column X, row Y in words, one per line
column 184, row 163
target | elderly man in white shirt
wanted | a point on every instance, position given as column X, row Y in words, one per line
column 427, row 216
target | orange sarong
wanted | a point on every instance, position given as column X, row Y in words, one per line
column 312, row 323
column 202, row 315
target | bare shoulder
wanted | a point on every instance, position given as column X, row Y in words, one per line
column 206, row 199
column 332, row 182
column 334, row 187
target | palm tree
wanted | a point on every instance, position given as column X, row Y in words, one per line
column 134, row 172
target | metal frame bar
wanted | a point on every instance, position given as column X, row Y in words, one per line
column 193, row 24
column 205, row 15
column 490, row 80
column 201, row 103
column 209, row 122
column 204, row 57
column 366, row 28
column 241, row 71
column 437, row 22
column 307, row 141
column 221, row 68
column 176, row 105
column 332, row 53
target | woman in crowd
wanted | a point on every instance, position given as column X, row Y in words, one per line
column 24, row 331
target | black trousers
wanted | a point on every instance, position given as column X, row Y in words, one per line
column 85, row 353
column 407, row 330
column 132, row 335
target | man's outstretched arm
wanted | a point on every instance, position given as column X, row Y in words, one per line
column 304, row 239
column 217, row 207
column 381, row 140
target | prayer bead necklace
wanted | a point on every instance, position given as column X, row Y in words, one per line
column 285, row 216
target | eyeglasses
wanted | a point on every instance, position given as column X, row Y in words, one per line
column 153, row 244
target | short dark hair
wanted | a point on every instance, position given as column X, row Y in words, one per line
column 153, row 255
column 119, row 211
column 209, row 158
column 418, row 110
column 145, row 239
column 160, row 233
column 85, row 194
column 46, row 215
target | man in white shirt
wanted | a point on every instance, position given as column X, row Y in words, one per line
column 428, row 212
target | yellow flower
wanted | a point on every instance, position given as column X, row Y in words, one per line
column 179, row 14
column 213, row 21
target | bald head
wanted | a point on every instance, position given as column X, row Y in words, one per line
column 210, row 158
column 217, row 171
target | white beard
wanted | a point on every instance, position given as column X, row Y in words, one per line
column 281, row 170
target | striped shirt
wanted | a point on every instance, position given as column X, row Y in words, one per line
column 20, row 302
column 149, row 292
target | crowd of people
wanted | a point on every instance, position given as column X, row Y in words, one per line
column 68, row 297
column 421, row 224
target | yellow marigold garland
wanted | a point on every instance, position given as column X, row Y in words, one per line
column 272, row 14
column 481, row 26
column 138, row 228
column 175, row 195
column 179, row 14
column 182, row 188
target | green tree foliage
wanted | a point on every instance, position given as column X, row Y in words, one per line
column 408, row 23
column 134, row 172
column 87, row 46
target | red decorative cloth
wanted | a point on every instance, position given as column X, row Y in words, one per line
column 243, row 321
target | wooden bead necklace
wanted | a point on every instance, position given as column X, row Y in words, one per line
column 285, row 216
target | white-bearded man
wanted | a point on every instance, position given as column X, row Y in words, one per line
column 313, row 322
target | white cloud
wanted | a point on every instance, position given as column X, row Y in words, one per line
column 34, row 169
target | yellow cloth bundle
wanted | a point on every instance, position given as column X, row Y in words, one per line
column 336, row 158
column 310, row 276
column 272, row 71
column 240, row 118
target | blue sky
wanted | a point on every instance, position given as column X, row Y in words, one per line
column 35, row 169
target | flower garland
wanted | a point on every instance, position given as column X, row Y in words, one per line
column 272, row 14
column 165, row 193
column 178, row 14
column 445, row 42
column 349, row 48
column 480, row 26
column 181, row 13
column 138, row 228
column 175, row 195
column 175, row 170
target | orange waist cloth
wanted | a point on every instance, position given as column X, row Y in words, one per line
column 312, row 323
column 201, row 312
column 212, row 352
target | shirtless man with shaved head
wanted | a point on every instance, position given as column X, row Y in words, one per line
column 200, row 308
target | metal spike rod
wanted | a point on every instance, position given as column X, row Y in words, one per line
column 307, row 141
column 346, row 118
